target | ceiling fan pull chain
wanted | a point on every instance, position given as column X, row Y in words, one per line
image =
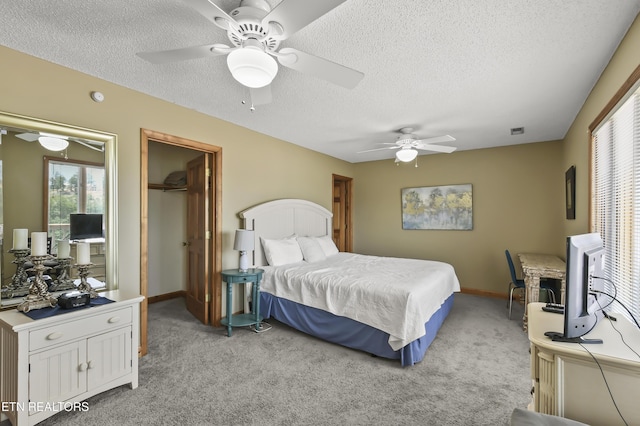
column 252, row 108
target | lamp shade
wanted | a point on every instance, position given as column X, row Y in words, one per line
column 244, row 240
column 252, row 67
column 53, row 144
column 406, row 154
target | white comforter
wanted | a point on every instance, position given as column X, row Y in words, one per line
column 397, row 296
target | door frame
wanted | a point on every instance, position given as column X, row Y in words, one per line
column 215, row 197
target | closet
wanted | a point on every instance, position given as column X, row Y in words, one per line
column 167, row 222
column 180, row 227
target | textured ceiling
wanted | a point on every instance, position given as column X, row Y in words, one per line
column 469, row 68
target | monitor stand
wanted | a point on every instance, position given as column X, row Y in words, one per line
column 559, row 337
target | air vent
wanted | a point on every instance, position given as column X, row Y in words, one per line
column 517, row 131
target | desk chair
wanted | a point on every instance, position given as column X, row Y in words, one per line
column 518, row 283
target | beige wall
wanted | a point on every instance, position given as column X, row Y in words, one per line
column 256, row 168
column 576, row 146
column 518, row 204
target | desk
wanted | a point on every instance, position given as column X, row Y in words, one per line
column 536, row 266
column 567, row 382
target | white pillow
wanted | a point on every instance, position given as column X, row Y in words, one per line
column 311, row 250
column 281, row 252
column 328, row 246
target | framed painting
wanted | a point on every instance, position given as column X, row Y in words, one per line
column 438, row 207
column 570, row 188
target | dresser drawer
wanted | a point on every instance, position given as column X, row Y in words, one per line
column 89, row 325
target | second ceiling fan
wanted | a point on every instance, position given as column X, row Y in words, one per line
column 255, row 32
column 407, row 145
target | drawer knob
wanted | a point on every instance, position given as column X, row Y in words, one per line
column 113, row 320
column 54, row 336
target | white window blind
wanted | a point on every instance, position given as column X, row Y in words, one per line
column 615, row 199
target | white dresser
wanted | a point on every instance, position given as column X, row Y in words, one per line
column 569, row 383
column 52, row 364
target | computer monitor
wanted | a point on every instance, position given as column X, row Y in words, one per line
column 84, row 226
column 583, row 303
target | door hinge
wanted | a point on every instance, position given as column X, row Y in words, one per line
column 208, row 172
column 207, row 298
column 207, row 235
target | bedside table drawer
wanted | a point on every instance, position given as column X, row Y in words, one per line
column 240, row 279
column 67, row 331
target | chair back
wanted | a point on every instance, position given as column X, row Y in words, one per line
column 512, row 268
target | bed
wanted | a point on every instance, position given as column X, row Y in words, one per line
column 385, row 306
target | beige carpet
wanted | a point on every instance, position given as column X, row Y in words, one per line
column 475, row 373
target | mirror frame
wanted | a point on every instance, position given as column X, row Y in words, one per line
column 110, row 166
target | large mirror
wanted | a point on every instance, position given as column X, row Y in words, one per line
column 59, row 179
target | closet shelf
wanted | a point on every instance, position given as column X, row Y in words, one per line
column 167, row 188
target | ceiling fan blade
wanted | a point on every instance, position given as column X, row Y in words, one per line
column 261, row 95
column 185, row 53
column 438, row 139
column 292, row 15
column 319, row 67
column 29, row 137
column 90, row 146
column 378, row 149
column 213, row 13
column 436, row 148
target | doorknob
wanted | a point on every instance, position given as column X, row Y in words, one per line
column 186, row 243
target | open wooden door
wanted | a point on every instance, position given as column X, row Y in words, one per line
column 342, row 234
column 198, row 237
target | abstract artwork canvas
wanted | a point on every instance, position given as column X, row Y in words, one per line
column 438, row 207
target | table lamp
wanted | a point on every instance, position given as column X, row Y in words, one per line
column 244, row 242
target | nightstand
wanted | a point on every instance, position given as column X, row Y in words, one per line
column 234, row 276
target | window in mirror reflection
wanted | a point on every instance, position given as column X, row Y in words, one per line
column 72, row 187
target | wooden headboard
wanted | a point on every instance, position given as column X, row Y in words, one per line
column 283, row 218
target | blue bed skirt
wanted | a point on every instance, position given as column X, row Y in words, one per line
column 350, row 333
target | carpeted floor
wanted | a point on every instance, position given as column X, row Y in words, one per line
column 475, row 373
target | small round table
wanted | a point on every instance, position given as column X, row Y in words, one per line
column 235, row 276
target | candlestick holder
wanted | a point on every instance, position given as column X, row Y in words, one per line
column 63, row 281
column 84, row 286
column 38, row 296
column 19, row 286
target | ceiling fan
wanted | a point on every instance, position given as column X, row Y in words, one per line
column 54, row 142
column 255, row 32
column 408, row 144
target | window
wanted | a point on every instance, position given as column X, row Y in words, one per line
column 71, row 187
column 615, row 193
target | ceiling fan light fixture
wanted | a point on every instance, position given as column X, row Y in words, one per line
column 406, row 155
column 252, row 67
column 52, row 143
